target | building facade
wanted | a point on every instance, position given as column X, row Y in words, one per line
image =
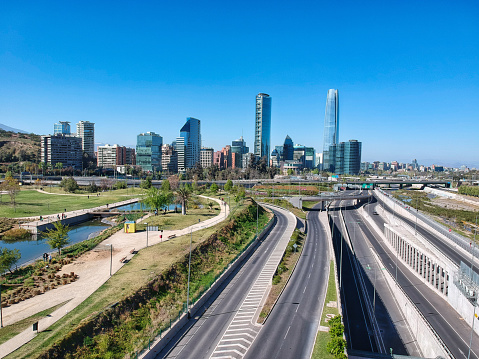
column 169, row 159
column 262, row 134
column 206, row 157
column 148, row 151
column 347, row 157
column 288, row 149
column 190, row 134
column 86, row 131
column 61, row 148
column 62, row 127
column 331, row 127
column 239, row 148
column 109, row 156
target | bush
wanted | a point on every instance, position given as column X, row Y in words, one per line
column 16, row 234
column 120, row 185
column 69, row 184
column 92, row 187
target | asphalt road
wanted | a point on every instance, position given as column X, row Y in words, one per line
column 453, row 329
column 291, row 328
column 200, row 338
column 445, row 247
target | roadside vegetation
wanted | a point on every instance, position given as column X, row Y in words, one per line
column 283, row 272
column 139, row 301
column 285, row 204
column 330, row 310
column 459, row 220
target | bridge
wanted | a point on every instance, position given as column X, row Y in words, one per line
column 373, row 183
column 329, row 197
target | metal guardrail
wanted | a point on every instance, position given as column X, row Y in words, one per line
column 461, row 241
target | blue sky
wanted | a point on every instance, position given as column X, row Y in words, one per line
column 407, row 71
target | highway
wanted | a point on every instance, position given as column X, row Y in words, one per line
column 453, row 330
column 291, row 328
column 444, row 246
column 201, row 337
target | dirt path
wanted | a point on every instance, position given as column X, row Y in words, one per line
column 93, row 269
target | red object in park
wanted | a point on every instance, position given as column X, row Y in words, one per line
column 450, row 229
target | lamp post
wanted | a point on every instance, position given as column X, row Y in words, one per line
column 189, row 273
column 111, row 256
column 146, row 224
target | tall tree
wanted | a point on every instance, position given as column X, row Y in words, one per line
column 183, row 194
column 57, row 236
column 11, row 186
column 8, row 258
column 157, row 198
column 59, row 167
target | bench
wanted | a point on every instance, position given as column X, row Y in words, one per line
column 133, row 251
column 123, row 259
column 172, row 236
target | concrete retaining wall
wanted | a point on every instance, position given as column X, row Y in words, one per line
column 160, row 343
column 429, row 342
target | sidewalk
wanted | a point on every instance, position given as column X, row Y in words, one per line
column 93, row 269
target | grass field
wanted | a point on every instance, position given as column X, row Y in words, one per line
column 33, row 203
column 322, row 338
column 11, row 330
column 144, row 266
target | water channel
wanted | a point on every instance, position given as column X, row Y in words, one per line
column 34, row 249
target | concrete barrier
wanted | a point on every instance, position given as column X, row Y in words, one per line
column 428, row 340
column 161, row 342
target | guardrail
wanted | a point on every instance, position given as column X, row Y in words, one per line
column 460, row 240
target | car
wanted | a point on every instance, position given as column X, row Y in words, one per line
column 375, row 212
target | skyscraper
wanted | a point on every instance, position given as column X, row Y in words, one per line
column 331, row 127
column 346, row 157
column 148, row 151
column 86, row 131
column 188, row 145
column 262, row 134
column 62, row 127
column 288, row 149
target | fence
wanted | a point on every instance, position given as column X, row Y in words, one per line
column 460, row 240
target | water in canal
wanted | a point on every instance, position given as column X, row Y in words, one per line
column 34, row 249
column 138, row 206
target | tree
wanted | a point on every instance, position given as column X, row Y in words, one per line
column 8, row 258
column 69, row 184
column 146, row 183
column 174, row 182
column 157, row 198
column 228, row 185
column 165, row 185
column 57, row 236
column 59, row 167
column 120, row 185
column 11, row 186
column 214, row 188
column 183, row 194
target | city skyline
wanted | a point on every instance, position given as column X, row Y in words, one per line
column 407, row 74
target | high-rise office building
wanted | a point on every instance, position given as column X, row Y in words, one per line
column 169, row 159
column 262, row 134
column 347, row 157
column 188, row 145
column 148, row 151
column 62, row 127
column 288, row 149
column 239, row 148
column 86, row 131
column 331, row 127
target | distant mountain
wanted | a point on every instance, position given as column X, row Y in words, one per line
column 11, row 129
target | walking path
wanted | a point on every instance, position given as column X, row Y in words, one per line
column 93, row 269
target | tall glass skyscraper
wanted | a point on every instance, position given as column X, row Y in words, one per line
column 262, row 133
column 148, row 151
column 331, row 127
column 188, row 145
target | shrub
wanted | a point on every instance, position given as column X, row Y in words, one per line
column 16, row 234
column 120, row 185
column 69, row 184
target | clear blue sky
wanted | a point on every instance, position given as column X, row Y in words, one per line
column 407, row 71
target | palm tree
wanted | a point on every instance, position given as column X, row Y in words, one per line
column 183, row 194
column 41, row 165
column 59, row 167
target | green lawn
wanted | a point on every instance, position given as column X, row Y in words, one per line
column 322, row 339
column 33, row 203
column 10, row 331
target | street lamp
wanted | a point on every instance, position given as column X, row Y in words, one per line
column 146, row 234
column 189, row 273
column 111, row 255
